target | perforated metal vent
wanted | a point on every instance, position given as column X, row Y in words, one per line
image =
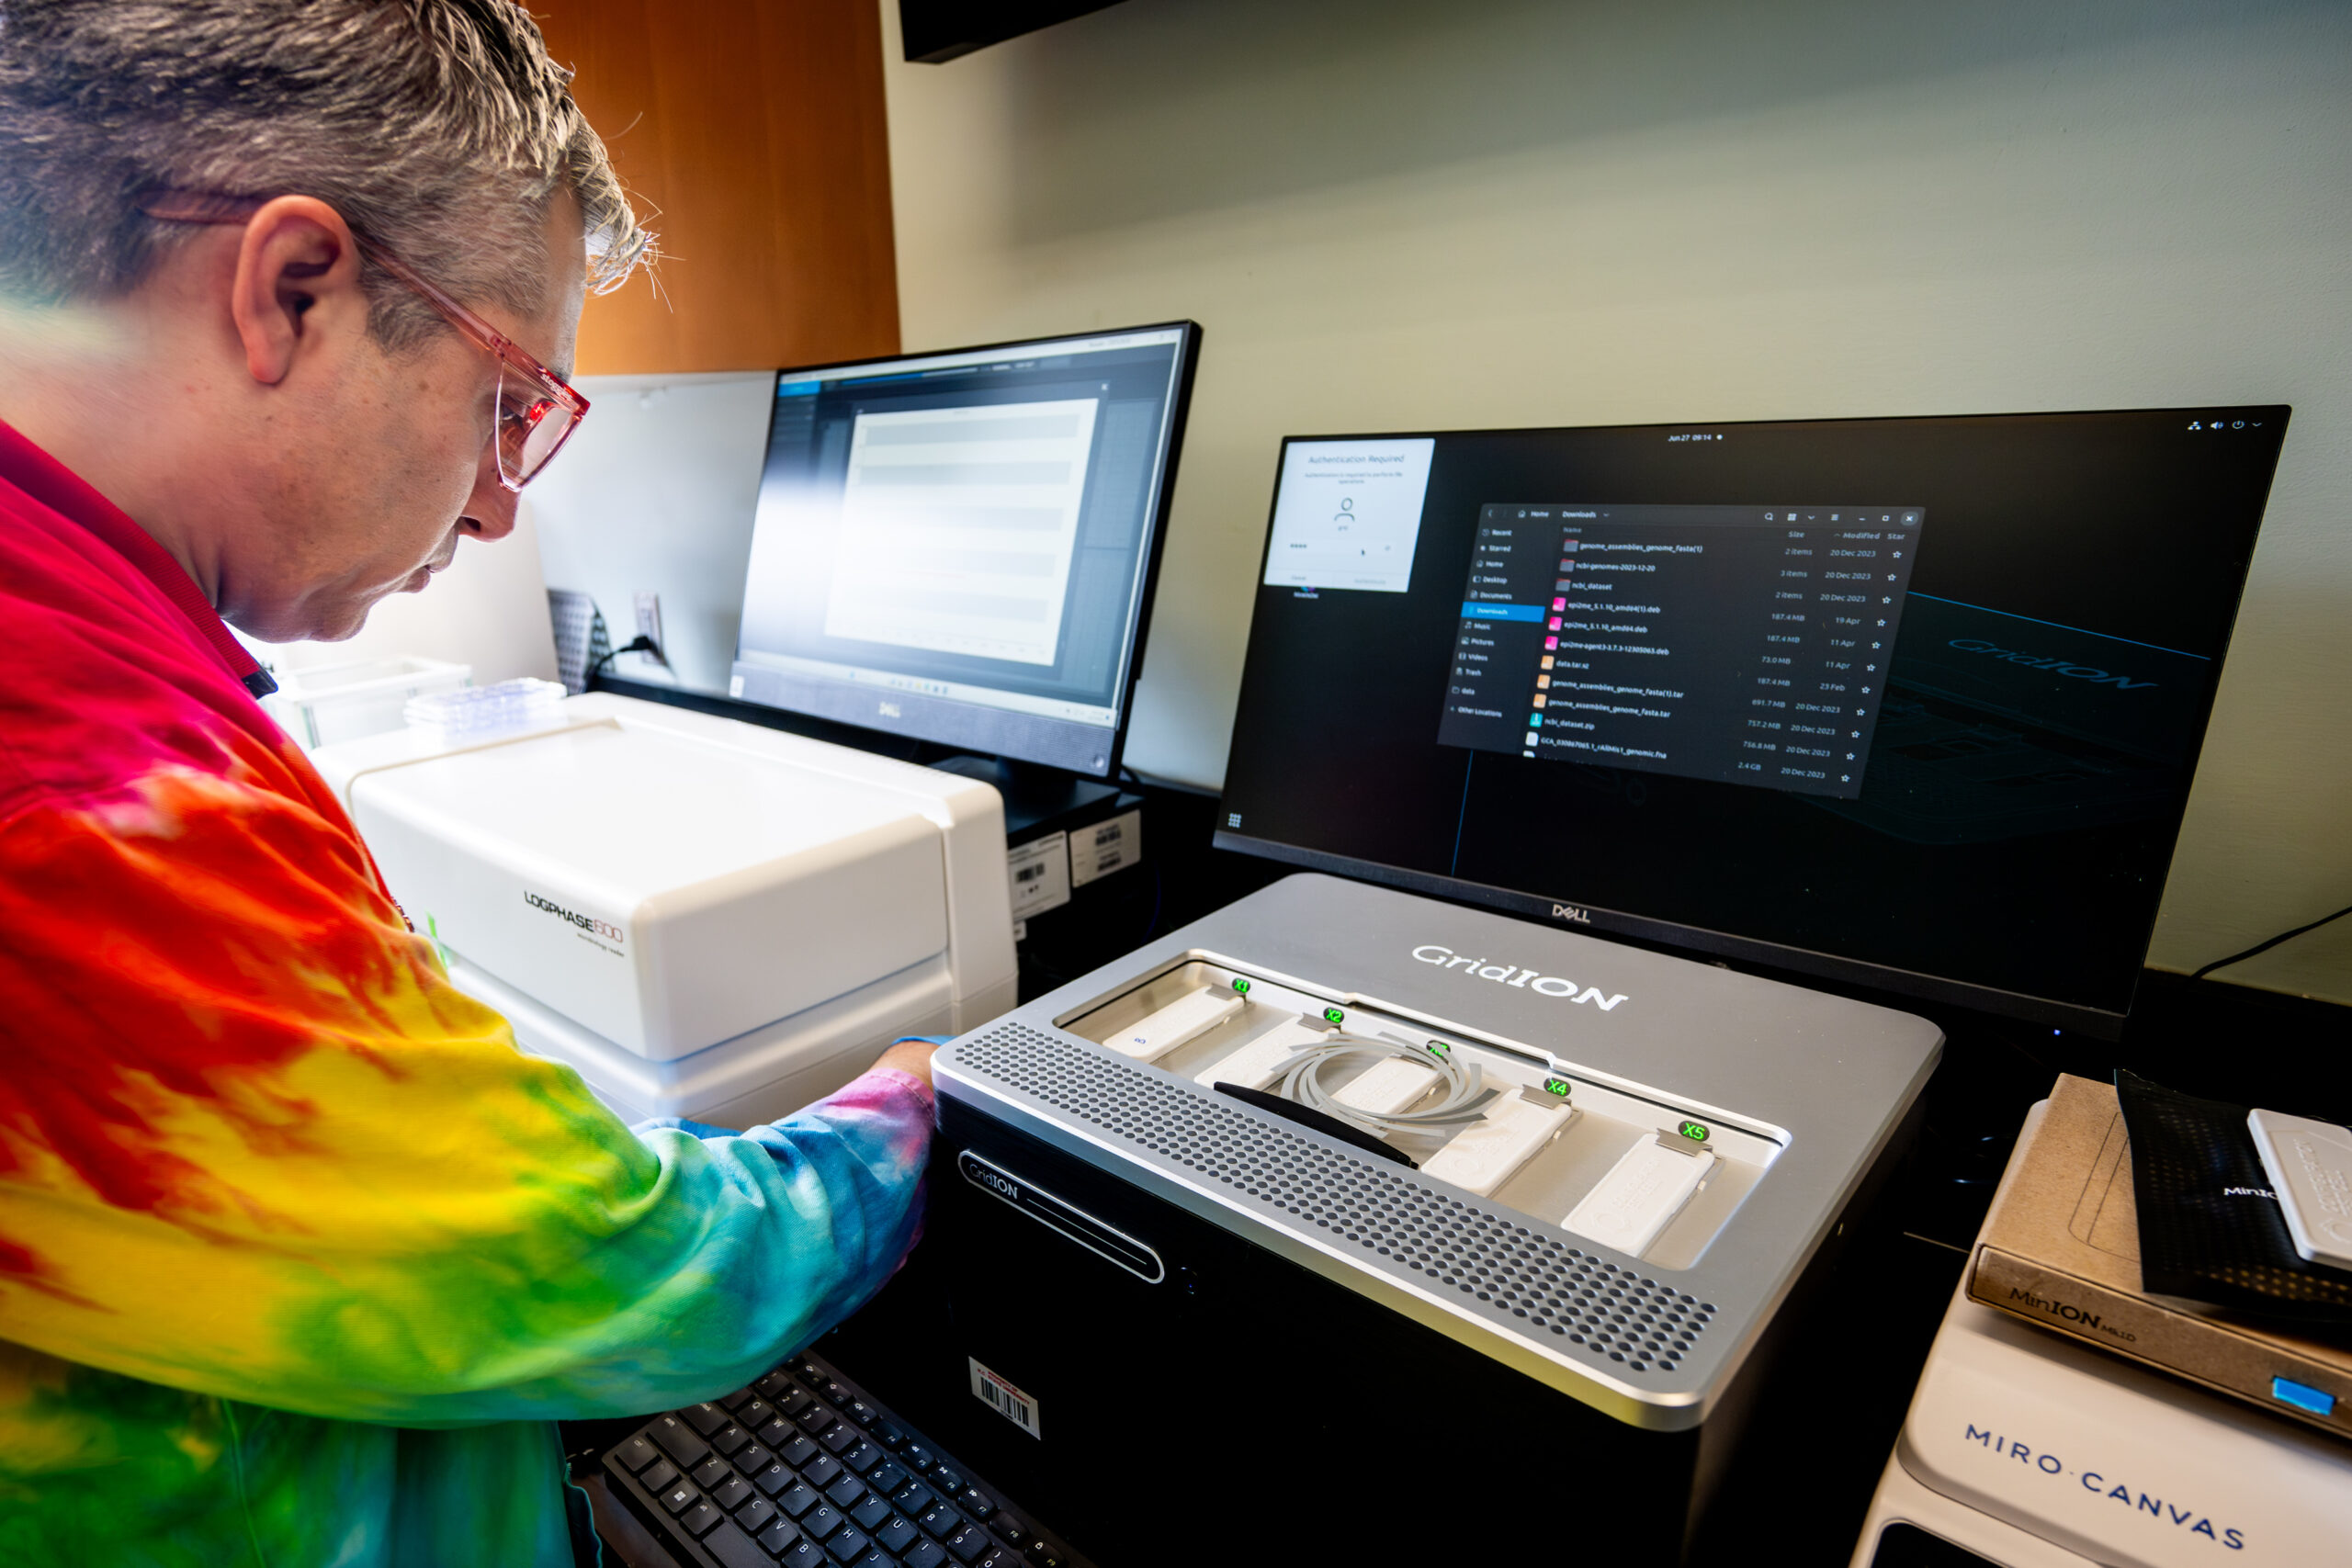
column 1638, row 1324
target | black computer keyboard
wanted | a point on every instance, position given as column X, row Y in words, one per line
column 805, row 1469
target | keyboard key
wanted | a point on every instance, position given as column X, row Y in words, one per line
column 699, row 1519
column 947, row 1480
column 873, row 1558
column 967, row 1543
column 886, row 1478
column 862, row 1457
column 729, row 1438
column 817, row 1418
column 752, row 1459
column 799, row 1499
column 890, row 1435
column 779, row 1434
column 661, row 1478
column 941, row 1520
column 734, row 1493
column 845, row 1491
column 831, row 1389
column 924, row 1553
column 820, row 1471
column 1008, row 1528
column 778, row 1534
column 914, row 1497
column 975, row 1502
column 733, row 1549
column 1001, row 1557
column 793, row 1403
column 822, row 1521
column 857, row 1410
column 755, row 1415
column 805, row 1554
column 673, row 1437
column 705, row 1417
column 681, row 1497
column 919, row 1459
column 775, row 1385
column 638, row 1452
column 754, row 1514
column 1043, row 1556
column 711, row 1471
column 869, row 1514
column 797, row 1453
column 737, row 1399
column 894, row 1534
column 849, row 1544
column 840, row 1436
column 772, row 1479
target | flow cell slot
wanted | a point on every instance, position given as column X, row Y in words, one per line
column 1260, row 1063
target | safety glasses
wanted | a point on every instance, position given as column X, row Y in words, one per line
column 538, row 409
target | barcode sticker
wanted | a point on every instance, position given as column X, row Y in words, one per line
column 1004, row 1399
column 1104, row 848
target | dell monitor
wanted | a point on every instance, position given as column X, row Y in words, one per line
column 1913, row 704
column 961, row 547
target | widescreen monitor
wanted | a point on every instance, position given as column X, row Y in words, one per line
column 961, row 546
column 1910, row 703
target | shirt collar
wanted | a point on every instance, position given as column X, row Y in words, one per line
column 63, row 491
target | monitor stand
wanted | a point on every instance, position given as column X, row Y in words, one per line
column 1037, row 799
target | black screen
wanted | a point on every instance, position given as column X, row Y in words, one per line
column 1912, row 702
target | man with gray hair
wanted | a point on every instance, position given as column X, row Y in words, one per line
column 299, row 1258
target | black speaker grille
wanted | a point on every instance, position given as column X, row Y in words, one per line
column 1638, row 1324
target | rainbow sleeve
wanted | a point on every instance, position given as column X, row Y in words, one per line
column 253, row 1145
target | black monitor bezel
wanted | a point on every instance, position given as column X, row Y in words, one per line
column 1155, row 522
column 1598, row 920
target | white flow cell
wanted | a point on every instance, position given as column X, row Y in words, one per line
column 1640, row 1196
column 1483, row 1155
column 1188, row 1017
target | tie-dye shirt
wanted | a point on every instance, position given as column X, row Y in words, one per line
column 299, row 1258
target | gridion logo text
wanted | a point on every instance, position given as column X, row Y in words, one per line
column 588, row 923
column 2092, row 673
column 1511, row 975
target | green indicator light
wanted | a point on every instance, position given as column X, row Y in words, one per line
column 1242, row 985
column 1556, row 1085
column 1694, row 1132
column 1333, row 1015
column 1440, row 1050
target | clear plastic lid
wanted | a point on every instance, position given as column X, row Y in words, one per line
column 502, row 708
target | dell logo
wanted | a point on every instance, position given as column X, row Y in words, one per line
column 890, row 710
column 1570, row 912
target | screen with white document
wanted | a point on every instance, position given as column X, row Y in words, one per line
column 961, row 546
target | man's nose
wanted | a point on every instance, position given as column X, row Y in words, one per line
column 489, row 510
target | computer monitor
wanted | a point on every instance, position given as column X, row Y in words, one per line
column 961, row 546
column 1910, row 703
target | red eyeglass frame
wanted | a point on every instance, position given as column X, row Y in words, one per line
column 516, row 463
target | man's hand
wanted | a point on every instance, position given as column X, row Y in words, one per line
column 909, row 1056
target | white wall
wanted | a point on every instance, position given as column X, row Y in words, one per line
column 1409, row 213
column 655, row 494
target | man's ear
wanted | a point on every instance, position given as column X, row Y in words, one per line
column 298, row 270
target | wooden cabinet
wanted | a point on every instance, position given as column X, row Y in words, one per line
column 751, row 135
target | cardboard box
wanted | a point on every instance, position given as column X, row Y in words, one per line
column 2062, row 1248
